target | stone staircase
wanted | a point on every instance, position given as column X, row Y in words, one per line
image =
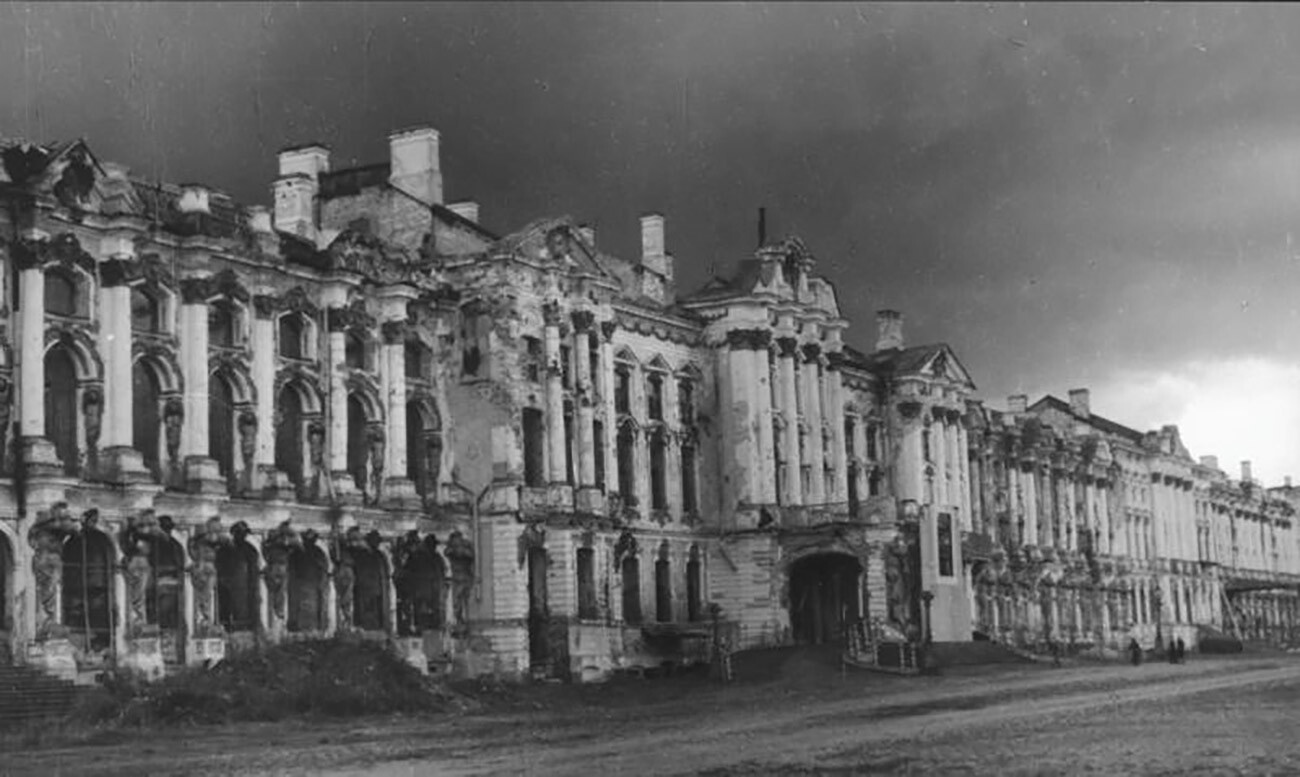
column 29, row 694
column 978, row 653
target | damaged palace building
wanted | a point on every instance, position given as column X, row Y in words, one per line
column 361, row 412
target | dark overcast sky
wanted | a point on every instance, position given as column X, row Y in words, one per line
column 1101, row 195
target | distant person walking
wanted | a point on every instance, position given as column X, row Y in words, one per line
column 1135, row 651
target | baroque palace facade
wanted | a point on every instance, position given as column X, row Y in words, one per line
column 361, row 412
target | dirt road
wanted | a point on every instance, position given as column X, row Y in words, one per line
column 1004, row 721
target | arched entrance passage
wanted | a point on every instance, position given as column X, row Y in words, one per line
column 823, row 597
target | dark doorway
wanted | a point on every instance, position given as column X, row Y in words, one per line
column 147, row 420
column 369, row 611
column 87, row 588
column 306, row 590
column 164, row 596
column 823, row 597
column 539, row 649
column 237, row 587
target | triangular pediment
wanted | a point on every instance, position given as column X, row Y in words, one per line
column 943, row 364
column 554, row 241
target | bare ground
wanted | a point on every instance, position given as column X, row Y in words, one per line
column 796, row 714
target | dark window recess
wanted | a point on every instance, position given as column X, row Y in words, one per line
column 414, row 358
column 358, row 446
column 368, row 591
column 598, row 440
column 873, row 484
column 622, row 391
column 61, row 412
column 631, row 590
column 655, row 398
column 291, row 336
column 663, row 591
column 570, row 443
column 593, row 348
column 690, row 502
column 146, row 419
column 534, row 447
column 145, row 315
column 872, row 432
column 288, row 436
column 694, row 588
column 586, row 584
column 87, row 589
column 237, row 586
column 686, row 403
column 778, row 463
column 533, row 363
column 221, row 325
column 566, row 366
column 60, row 294
column 354, row 351
column 850, row 429
column 854, row 498
column 471, row 354
column 945, row 545
column 221, row 427
column 925, row 444
column 307, row 583
column 163, row 591
column 626, row 472
column 658, row 473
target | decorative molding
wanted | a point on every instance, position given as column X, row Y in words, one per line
column 607, row 329
column 788, row 347
column 749, row 339
column 394, row 332
column 583, row 320
column 811, row 353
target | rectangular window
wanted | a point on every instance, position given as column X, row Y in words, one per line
column 689, row 501
column 533, row 360
column 598, row 439
column 658, row 479
column 945, row 545
column 655, row 399
column 566, row 366
column 570, row 443
column 534, row 447
column 686, row 403
column 622, row 391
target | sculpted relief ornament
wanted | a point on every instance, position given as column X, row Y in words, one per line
column 203, row 574
column 46, row 537
column 137, row 542
column 276, row 549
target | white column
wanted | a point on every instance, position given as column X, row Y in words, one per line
column 557, row 456
column 761, row 381
column 673, row 449
column 584, row 412
column 31, row 379
column 606, row 376
column 813, row 414
column 194, row 366
column 839, row 458
column 263, row 346
column 336, row 374
column 789, row 399
column 115, row 345
column 392, row 380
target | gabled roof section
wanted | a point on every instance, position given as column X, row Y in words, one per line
column 1100, row 423
column 937, row 361
column 556, row 241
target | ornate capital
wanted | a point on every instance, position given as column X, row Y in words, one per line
column 583, row 320
column 266, row 305
column 118, row 272
column 195, row 291
column 551, row 313
column 909, row 410
column 394, row 332
column 749, row 339
column 834, row 360
column 788, row 346
column 811, row 353
column 607, row 329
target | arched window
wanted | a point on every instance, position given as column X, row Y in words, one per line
column 626, row 472
column 291, row 336
column 146, row 312
column 237, row 585
column 534, row 447
column 306, row 590
column 663, row 591
column 354, row 350
column 60, row 293
column 288, row 435
column 87, row 588
column 163, row 595
column 369, row 610
column 221, row 426
column 423, row 450
column 358, row 445
column 146, row 420
column 61, row 412
column 221, row 324
column 631, row 590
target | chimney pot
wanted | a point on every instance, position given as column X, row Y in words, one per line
column 194, row 199
column 1018, row 403
column 889, row 326
column 414, row 164
column 467, row 209
column 259, row 219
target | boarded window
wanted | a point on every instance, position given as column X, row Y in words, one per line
column 631, row 590
column 534, row 447
column 586, row 584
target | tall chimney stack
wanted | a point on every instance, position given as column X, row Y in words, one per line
column 1079, row 402
column 889, row 330
column 1245, row 472
column 414, row 164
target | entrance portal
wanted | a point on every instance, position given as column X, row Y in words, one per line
column 539, row 616
column 823, row 597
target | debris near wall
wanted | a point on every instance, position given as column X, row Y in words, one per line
column 324, row 677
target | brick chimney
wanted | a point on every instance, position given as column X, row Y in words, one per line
column 889, row 330
column 414, row 164
column 1018, row 404
column 294, row 192
column 656, row 263
column 1079, row 403
column 1245, row 472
